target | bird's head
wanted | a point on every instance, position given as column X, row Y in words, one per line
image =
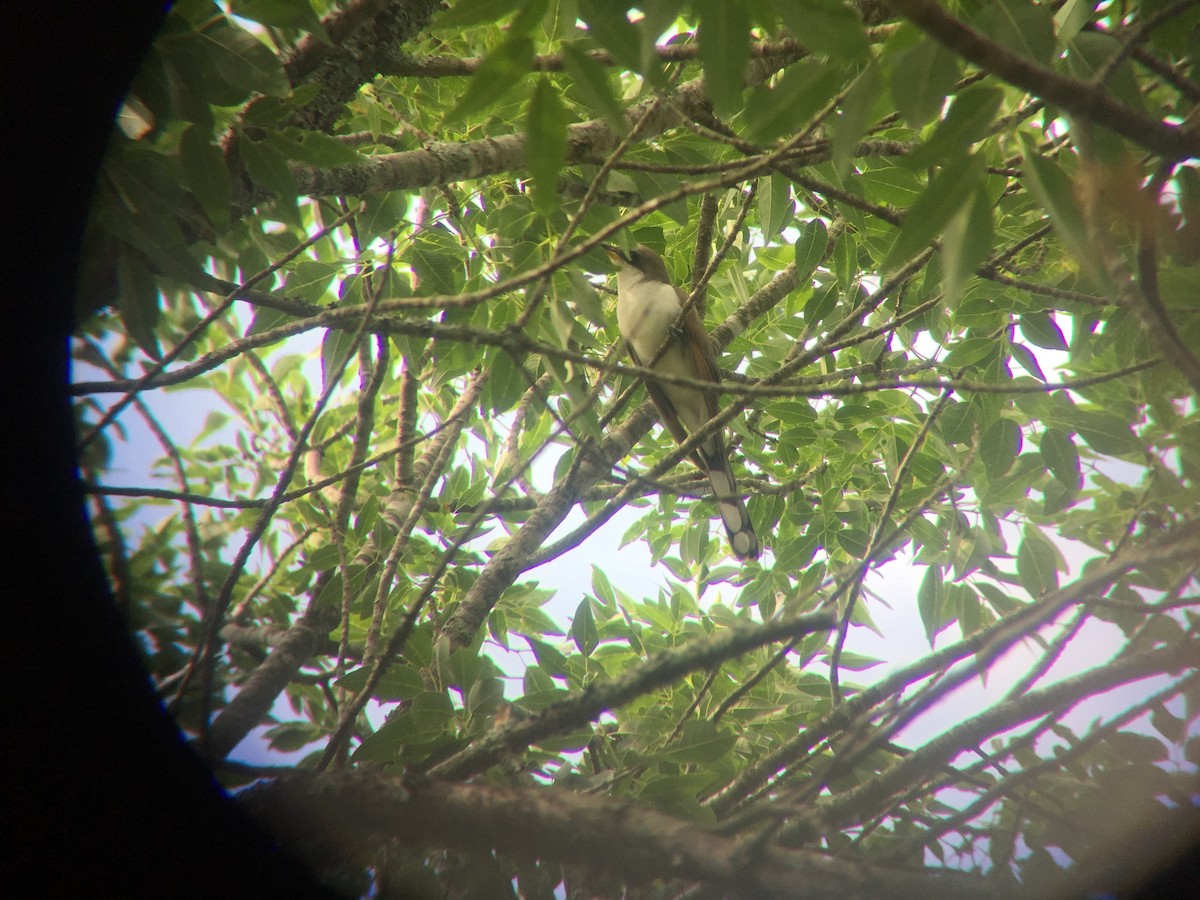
column 641, row 258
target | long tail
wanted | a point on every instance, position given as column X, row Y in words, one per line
column 738, row 526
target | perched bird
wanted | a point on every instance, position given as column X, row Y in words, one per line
column 647, row 308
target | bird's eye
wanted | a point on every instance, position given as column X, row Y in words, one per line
column 635, row 257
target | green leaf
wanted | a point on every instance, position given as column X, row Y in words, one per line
column 930, row 597
column 1000, row 447
column 970, row 611
column 825, row 26
column 384, row 214
column 845, row 261
column 1061, row 457
column 657, row 183
column 244, row 61
column 971, row 351
column 461, row 668
column 774, row 205
column 593, row 84
column 413, row 733
column 498, row 73
column 1053, row 190
column 1169, row 726
column 1089, row 52
column 1071, row 17
column 1040, row 329
column 1037, row 563
column 788, row 105
column 921, row 76
column 1001, row 602
column 928, row 535
column 138, row 301
column 854, row 541
column 265, row 319
column 855, row 114
column 313, row 148
column 283, row 13
column 529, row 16
column 434, row 258
column 192, row 81
column 858, row 662
column 676, row 794
column 1056, row 497
column 967, row 121
column 891, row 184
column 507, row 381
column 546, row 144
column 336, row 348
column 583, row 628
column 267, row 166
column 549, row 658
column 267, row 111
column 603, row 588
column 609, row 24
column 1028, row 361
column 823, row 302
column 965, row 245
column 308, row 280
column 206, row 174
column 724, row 38
column 1105, row 433
column 572, row 742
column 1026, row 29
column 810, row 249
column 700, row 743
column 948, row 190
column 485, row 697
column 586, row 300
column 399, row 682
column 157, row 234
column 957, row 423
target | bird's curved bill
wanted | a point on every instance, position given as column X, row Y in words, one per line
column 615, row 253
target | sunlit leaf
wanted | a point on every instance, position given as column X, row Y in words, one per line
column 930, row 597
column 583, row 628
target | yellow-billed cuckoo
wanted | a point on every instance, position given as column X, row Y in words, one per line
column 647, row 307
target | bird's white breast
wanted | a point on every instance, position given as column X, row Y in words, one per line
column 645, row 310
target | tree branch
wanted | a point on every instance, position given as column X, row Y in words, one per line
column 1080, row 98
column 658, row 671
column 338, row 817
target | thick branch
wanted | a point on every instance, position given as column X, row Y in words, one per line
column 367, row 34
column 1079, row 98
column 251, row 704
column 338, row 817
column 444, row 162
